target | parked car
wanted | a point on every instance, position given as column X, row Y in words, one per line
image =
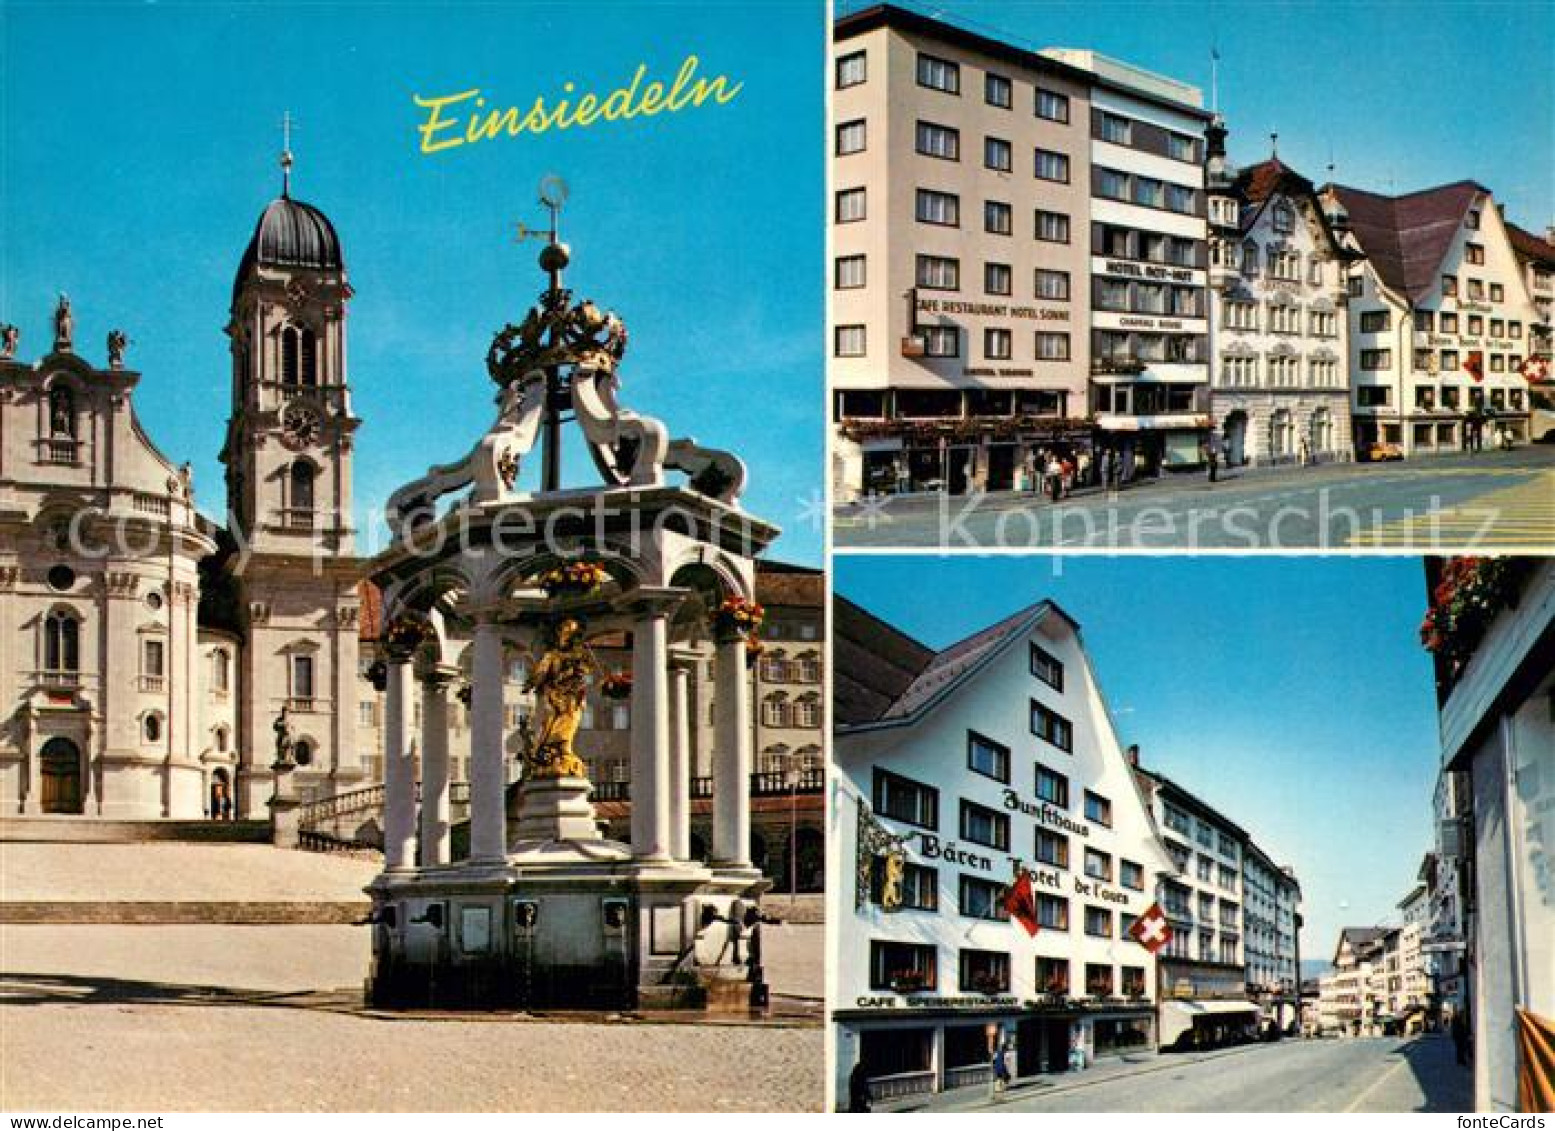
column 1382, row 450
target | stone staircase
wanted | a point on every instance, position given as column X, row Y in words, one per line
column 96, row 880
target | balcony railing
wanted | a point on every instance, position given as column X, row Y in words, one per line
column 153, row 683
column 57, row 677
column 58, row 449
column 765, row 783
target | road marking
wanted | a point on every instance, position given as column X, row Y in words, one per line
column 1517, row 517
column 1375, row 1084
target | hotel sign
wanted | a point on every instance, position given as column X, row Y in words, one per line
column 992, row 309
column 1045, row 814
column 934, row 1001
column 932, row 848
column 1150, row 271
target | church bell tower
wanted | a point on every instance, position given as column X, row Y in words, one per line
column 288, row 468
column 288, row 445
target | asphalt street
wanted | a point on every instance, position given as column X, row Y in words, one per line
column 1383, row 1074
column 1485, row 502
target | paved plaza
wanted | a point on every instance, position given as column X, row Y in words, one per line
column 1487, row 501
column 179, row 1018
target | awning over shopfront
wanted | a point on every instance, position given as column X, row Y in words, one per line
column 1111, row 422
column 1179, row 1016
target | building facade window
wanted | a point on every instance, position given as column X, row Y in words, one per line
column 998, row 91
column 852, row 69
column 984, row 826
column 850, row 205
column 997, row 278
column 852, row 137
column 1046, row 667
column 61, row 642
column 997, row 344
column 1052, row 285
column 1052, row 105
column 1052, row 787
column 1098, row 808
column 849, row 341
column 1051, row 727
column 939, row 74
column 982, row 899
column 850, row 272
column 1052, row 227
column 938, row 273
column 987, row 757
column 941, row 341
column 942, row 142
column 1051, row 166
column 1052, row 848
column 1052, row 346
column 941, row 208
column 905, row 800
column 901, row 966
column 998, row 154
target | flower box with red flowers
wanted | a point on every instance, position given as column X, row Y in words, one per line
column 617, row 686
column 574, row 579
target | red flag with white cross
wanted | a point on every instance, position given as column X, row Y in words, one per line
column 1021, row 903
column 1151, row 930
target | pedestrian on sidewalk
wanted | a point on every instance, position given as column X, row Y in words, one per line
column 1212, row 458
column 1460, row 1036
column 859, row 1097
column 1001, row 1070
column 1055, row 477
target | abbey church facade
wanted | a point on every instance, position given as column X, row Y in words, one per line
column 148, row 651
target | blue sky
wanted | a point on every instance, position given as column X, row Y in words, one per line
column 1290, row 693
column 1402, row 95
column 138, row 146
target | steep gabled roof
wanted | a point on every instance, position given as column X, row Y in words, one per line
column 1529, row 246
column 1407, row 237
column 872, row 663
column 949, row 668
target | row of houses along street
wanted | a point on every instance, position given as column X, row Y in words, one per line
column 1010, row 876
column 1052, row 251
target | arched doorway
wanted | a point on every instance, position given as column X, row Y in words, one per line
column 1236, row 439
column 60, row 765
column 221, row 795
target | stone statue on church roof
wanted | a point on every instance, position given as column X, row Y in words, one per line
column 64, row 325
column 116, row 346
column 10, row 340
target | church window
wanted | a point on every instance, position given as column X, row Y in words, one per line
column 310, row 358
column 151, row 727
column 302, row 677
column 290, row 348
column 302, row 752
column 301, row 477
column 221, row 670
column 62, row 413
column 62, row 642
column 152, row 659
column 221, row 740
column 61, row 578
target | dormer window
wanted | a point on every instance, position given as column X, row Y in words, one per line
column 1284, row 218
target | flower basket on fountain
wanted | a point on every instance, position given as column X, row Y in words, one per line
column 573, row 580
column 738, row 617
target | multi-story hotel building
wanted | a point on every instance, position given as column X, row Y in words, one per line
column 1536, row 256
column 955, row 771
column 1440, row 320
column 1148, row 260
column 1280, row 386
column 1271, row 920
column 968, row 216
column 1203, row 969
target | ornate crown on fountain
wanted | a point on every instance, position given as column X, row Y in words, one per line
column 572, row 352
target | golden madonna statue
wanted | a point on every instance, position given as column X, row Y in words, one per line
column 560, row 679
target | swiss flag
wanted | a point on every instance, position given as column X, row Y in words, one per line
column 1474, row 365
column 1022, row 904
column 1151, row 930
